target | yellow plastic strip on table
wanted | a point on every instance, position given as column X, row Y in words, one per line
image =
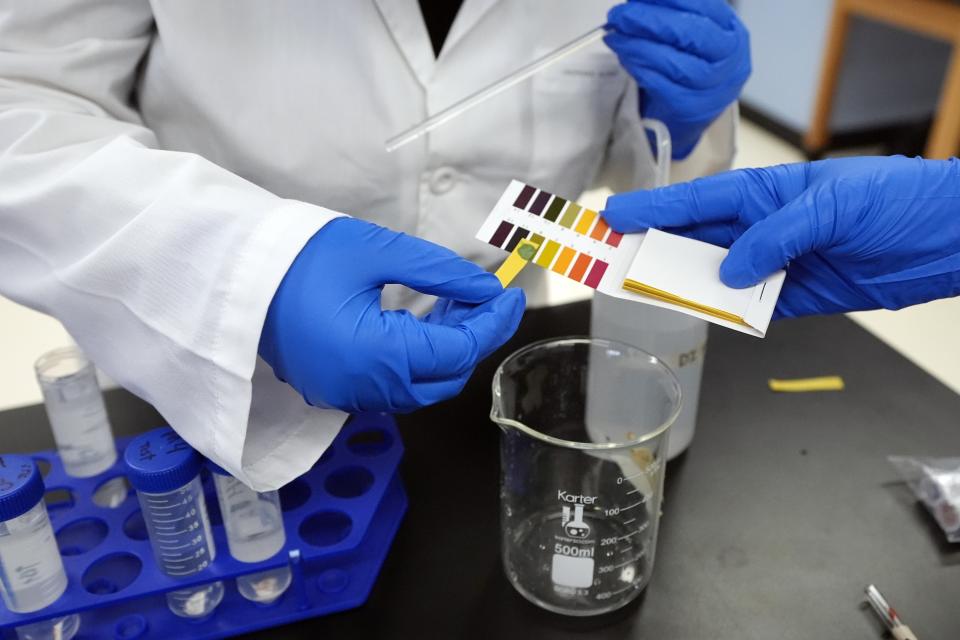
column 803, row 385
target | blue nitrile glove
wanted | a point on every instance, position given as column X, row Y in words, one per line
column 326, row 335
column 859, row 233
column 690, row 59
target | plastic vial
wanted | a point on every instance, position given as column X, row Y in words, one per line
column 165, row 471
column 254, row 524
column 77, row 414
column 31, row 571
column 678, row 340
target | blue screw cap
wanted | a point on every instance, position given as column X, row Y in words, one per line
column 21, row 486
column 160, row 461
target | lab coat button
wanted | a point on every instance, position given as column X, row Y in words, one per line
column 443, row 180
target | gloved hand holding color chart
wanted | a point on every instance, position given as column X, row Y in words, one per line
column 655, row 267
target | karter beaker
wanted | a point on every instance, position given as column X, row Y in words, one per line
column 583, row 445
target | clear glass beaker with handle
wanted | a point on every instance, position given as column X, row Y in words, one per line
column 584, row 424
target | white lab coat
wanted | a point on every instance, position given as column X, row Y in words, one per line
column 162, row 163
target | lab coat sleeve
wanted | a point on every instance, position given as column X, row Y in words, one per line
column 629, row 162
column 160, row 264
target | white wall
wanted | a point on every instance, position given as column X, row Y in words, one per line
column 24, row 336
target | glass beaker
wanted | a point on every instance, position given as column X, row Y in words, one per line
column 583, row 445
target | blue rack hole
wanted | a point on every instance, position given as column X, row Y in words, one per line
column 112, row 493
column 111, row 573
column 43, row 465
column 59, row 498
column 294, row 494
column 134, row 527
column 333, row 580
column 370, row 442
column 325, row 528
column 81, row 536
column 130, row 627
column 349, row 482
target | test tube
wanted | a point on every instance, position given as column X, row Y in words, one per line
column 31, row 570
column 77, row 414
column 254, row 524
column 165, row 471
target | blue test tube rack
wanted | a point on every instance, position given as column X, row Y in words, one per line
column 340, row 519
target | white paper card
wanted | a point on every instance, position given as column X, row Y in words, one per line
column 690, row 269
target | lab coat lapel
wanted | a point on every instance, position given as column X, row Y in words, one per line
column 405, row 22
column 467, row 18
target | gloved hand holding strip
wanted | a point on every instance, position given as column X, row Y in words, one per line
column 654, row 268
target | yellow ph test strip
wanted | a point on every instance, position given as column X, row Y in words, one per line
column 638, row 287
column 801, row 385
column 516, row 261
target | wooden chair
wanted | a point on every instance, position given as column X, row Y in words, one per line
column 933, row 18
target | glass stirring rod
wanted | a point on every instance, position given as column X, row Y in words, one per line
column 497, row 87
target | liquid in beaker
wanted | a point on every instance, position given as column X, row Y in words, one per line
column 584, row 426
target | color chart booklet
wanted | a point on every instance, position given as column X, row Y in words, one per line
column 655, row 267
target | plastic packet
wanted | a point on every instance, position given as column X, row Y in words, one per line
column 936, row 482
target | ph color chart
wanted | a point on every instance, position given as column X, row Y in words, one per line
column 573, row 241
column 656, row 268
